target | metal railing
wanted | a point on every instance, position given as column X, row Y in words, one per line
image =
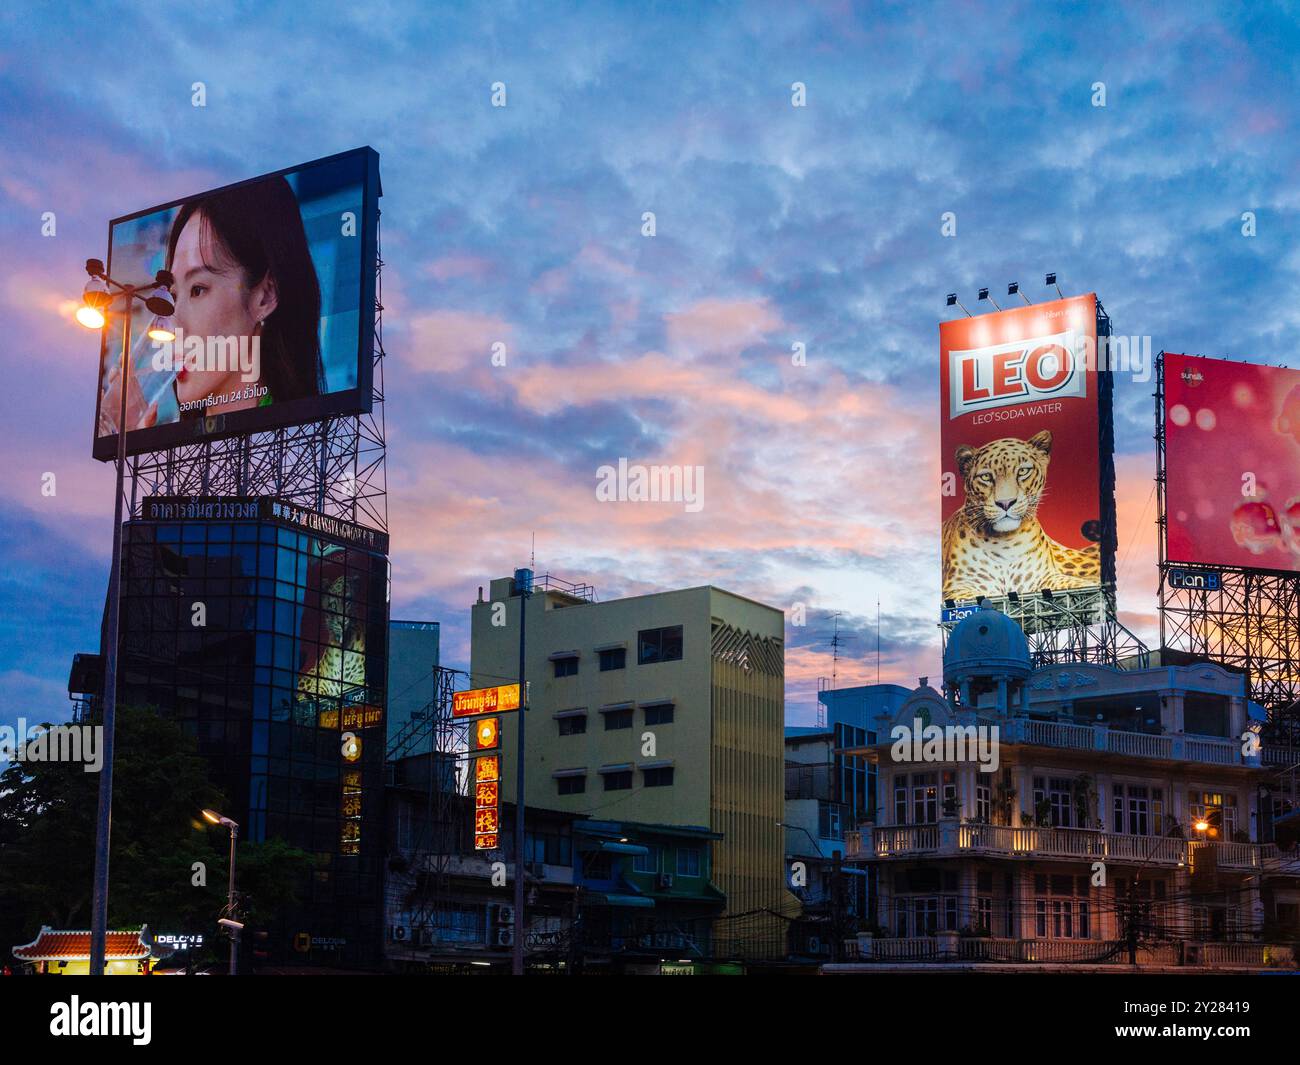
column 892, row 841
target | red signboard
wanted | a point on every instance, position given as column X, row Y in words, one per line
column 487, row 802
column 496, row 700
column 1232, row 463
column 1021, row 450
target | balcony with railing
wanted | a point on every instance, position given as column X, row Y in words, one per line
column 1178, row 747
column 951, row 838
column 979, row 949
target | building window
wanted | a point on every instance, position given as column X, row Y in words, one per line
column 1216, row 808
column 925, row 799
column 597, row 866
column 620, row 781
column 659, row 715
column 900, row 799
column 571, row 785
column 573, row 726
column 1065, row 915
column 1056, row 796
column 688, row 861
column 949, row 793
column 616, row 719
column 983, row 803
column 660, row 777
column 648, row 862
column 565, row 667
column 830, row 820
column 1138, row 811
column 659, row 645
column 984, row 914
column 613, row 658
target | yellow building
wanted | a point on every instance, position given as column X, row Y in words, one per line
column 667, row 709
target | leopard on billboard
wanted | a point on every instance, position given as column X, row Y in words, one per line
column 1027, row 476
column 1232, row 463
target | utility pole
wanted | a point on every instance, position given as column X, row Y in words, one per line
column 837, row 907
column 524, row 587
column 575, row 921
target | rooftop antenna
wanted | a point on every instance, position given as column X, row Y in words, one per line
column 877, row 638
column 836, row 639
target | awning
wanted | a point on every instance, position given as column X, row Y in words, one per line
column 610, row 707
column 656, row 702
column 562, row 654
column 662, row 763
column 600, row 897
column 570, row 713
column 615, row 646
column 617, row 767
column 614, row 847
column 570, row 773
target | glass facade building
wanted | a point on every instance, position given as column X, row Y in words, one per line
column 268, row 644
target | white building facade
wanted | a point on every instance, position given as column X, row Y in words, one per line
column 1073, row 813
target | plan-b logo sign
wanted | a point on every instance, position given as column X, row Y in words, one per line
column 1022, row 371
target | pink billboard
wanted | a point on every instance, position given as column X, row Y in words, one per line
column 1232, row 463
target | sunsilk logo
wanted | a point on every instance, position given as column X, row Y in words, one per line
column 1005, row 375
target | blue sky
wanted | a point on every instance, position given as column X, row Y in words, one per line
column 774, row 225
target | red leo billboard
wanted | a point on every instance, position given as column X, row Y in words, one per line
column 1021, row 443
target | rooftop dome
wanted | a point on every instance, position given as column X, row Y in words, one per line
column 986, row 643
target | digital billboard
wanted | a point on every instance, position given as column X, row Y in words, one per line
column 1232, row 463
column 1027, row 483
column 274, row 307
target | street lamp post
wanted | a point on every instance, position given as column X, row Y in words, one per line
column 231, row 922
column 97, row 302
column 525, row 588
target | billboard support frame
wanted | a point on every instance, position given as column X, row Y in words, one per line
column 1247, row 623
column 335, row 466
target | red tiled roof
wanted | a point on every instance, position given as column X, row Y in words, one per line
column 52, row 945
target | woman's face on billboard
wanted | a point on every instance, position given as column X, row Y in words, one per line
column 213, row 299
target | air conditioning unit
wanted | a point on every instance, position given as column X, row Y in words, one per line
column 664, row 881
column 502, row 937
column 503, row 914
column 400, row 933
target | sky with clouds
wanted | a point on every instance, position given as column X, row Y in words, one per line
column 774, row 225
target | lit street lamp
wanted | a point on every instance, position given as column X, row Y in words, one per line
column 229, row 921
column 99, row 301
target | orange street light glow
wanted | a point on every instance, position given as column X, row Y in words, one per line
column 90, row 317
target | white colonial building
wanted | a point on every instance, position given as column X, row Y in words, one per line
column 1093, row 812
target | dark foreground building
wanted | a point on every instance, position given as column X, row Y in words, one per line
column 262, row 630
